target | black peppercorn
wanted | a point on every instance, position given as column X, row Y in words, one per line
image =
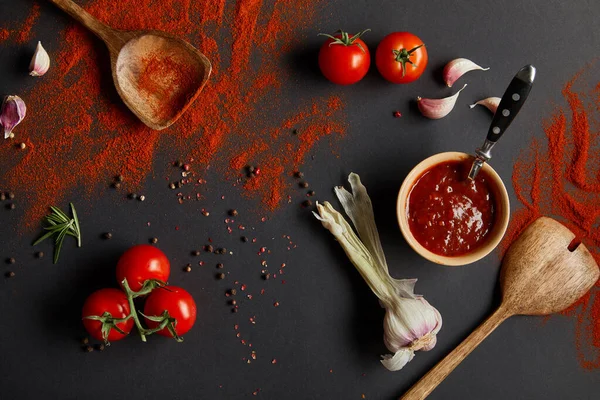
column 132, row 196
column 188, row 268
column 221, row 276
column 233, row 292
column 116, row 185
column 10, row 274
column 299, row 174
column 119, row 178
column 2, row 197
column 310, row 193
column 10, row 195
column 196, row 252
column 11, row 260
column 39, row 254
column 171, row 185
column 85, row 340
column 234, row 310
column 233, row 213
column 220, row 265
column 11, row 206
column 107, row 235
column 303, row 184
column 244, row 239
column 179, row 163
column 154, row 240
column 88, row 348
column 233, row 302
column 209, row 248
column 99, row 347
column 307, row 203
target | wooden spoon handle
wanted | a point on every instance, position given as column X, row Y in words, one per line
column 104, row 32
column 437, row 374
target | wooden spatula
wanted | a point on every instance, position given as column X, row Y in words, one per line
column 129, row 55
column 539, row 276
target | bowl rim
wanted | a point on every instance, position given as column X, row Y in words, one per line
column 497, row 233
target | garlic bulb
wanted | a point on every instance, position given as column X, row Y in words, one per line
column 491, row 103
column 438, row 108
column 12, row 113
column 40, row 63
column 410, row 322
column 457, row 68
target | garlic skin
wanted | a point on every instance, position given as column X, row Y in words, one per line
column 438, row 108
column 40, row 62
column 410, row 322
column 491, row 103
column 12, row 113
column 409, row 325
column 457, row 68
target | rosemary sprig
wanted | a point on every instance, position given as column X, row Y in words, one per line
column 59, row 225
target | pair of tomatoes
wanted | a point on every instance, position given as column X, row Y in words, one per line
column 138, row 265
column 344, row 59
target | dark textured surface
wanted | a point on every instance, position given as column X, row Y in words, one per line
column 327, row 333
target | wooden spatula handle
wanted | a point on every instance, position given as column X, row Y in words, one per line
column 437, row 374
column 109, row 35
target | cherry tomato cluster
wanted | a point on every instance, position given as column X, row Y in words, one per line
column 142, row 272
column 401, row 57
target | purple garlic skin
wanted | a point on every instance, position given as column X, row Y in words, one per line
column 437, row 108
column 12, row 113
column 40, row 62
column 491, row 103
column 457, row 68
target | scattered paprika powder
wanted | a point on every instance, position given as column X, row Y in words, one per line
column 561, row 178
column 78, row 129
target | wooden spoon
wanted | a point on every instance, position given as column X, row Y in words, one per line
column 539, row 276
column 164, row 95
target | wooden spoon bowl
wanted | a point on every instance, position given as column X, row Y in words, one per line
column 157, row 75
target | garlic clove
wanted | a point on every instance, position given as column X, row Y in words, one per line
column 12, row 113
column 457, row 68
column 438, row 108
column 491, row 103
column 40, row 62
column 398, row 360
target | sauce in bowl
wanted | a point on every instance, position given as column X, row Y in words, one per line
column 449, row 214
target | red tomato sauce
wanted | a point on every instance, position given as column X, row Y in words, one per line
column 449, row 214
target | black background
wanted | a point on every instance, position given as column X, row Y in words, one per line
column 327, row 333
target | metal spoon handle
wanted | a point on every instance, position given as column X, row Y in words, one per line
column 510, row 104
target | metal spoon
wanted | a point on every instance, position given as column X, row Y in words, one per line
column 509, row 107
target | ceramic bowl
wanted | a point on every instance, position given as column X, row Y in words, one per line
column 494, row 236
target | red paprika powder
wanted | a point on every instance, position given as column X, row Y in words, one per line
column 560, row 177
column 80, row 134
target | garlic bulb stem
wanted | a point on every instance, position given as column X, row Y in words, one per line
column 410, row 322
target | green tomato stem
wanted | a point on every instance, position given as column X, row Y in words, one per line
column 133, row 313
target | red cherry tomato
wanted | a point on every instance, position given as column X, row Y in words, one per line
column 112, row 301
column 140, row 263
column 344, row 59
column 177, row 302
column 401, row 57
